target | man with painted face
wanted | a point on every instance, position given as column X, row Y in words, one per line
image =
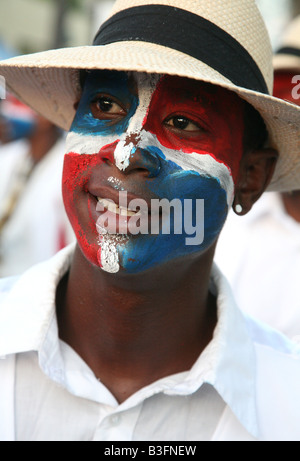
column 134, row 333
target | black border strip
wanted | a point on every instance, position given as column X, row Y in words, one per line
column 188, row 33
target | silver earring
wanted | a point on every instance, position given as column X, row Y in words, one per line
column 238, row 208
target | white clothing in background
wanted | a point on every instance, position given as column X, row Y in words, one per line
column 260, row 255
column 38, row 227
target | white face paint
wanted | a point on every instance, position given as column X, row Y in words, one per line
column 109, row 251
column 115, row 183
column 85, row 144
column 146, row 85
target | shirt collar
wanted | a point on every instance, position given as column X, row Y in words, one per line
column 227, row 363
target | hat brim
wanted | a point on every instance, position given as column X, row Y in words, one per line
column 49, row 83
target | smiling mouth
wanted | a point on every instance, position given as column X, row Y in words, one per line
column 109, row 205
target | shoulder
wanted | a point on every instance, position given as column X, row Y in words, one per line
column 277, row 383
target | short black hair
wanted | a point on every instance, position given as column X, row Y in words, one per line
column 82, row 77
column 255, row 132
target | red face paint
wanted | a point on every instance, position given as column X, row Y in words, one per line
column 216, row 111
column 79, row 203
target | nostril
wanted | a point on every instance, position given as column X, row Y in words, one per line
column 152, row 163
column 106, row 153
column 106, row 160
column 144, row 171
column 143, row 161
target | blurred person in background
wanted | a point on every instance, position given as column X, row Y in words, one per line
column 264, row 246
column 17, row 121
column 33, row 223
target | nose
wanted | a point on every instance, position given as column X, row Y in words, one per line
column 130, row 157
column 143, row 160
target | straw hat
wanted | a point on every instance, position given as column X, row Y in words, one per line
column 287, row 56
column 224, row 42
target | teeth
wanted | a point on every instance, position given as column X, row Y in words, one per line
column 111, row 206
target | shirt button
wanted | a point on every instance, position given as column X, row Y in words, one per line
column 115, row 419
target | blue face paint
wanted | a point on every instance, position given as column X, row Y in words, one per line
column 147, row 251
column 114, row 84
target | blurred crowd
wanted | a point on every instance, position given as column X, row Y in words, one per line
column 33, row 223
column 262, row 249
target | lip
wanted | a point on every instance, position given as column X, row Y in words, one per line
column 115, row 223
column 111, row 194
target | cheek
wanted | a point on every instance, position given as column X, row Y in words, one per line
column 201, row 207
column 78, row 203
column 89, row 144
column 176, row 166
column 229, row 147
column 201, row 226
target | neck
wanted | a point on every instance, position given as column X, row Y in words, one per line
column 133, row 330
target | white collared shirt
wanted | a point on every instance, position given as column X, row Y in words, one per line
column 244, row 386
column 260, row 255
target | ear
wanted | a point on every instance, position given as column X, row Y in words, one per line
column 256, row 171
column 75, row 105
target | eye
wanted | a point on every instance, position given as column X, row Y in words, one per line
column 105, row 107
column 183, row 124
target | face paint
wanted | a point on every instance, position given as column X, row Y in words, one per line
column 86, row 152
column 116, row 183
column 201, row 108
column 146, row 84
column 178, row 139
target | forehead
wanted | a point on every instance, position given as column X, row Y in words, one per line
column 179, row 88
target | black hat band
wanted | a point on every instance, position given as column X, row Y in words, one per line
column 188, row 33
